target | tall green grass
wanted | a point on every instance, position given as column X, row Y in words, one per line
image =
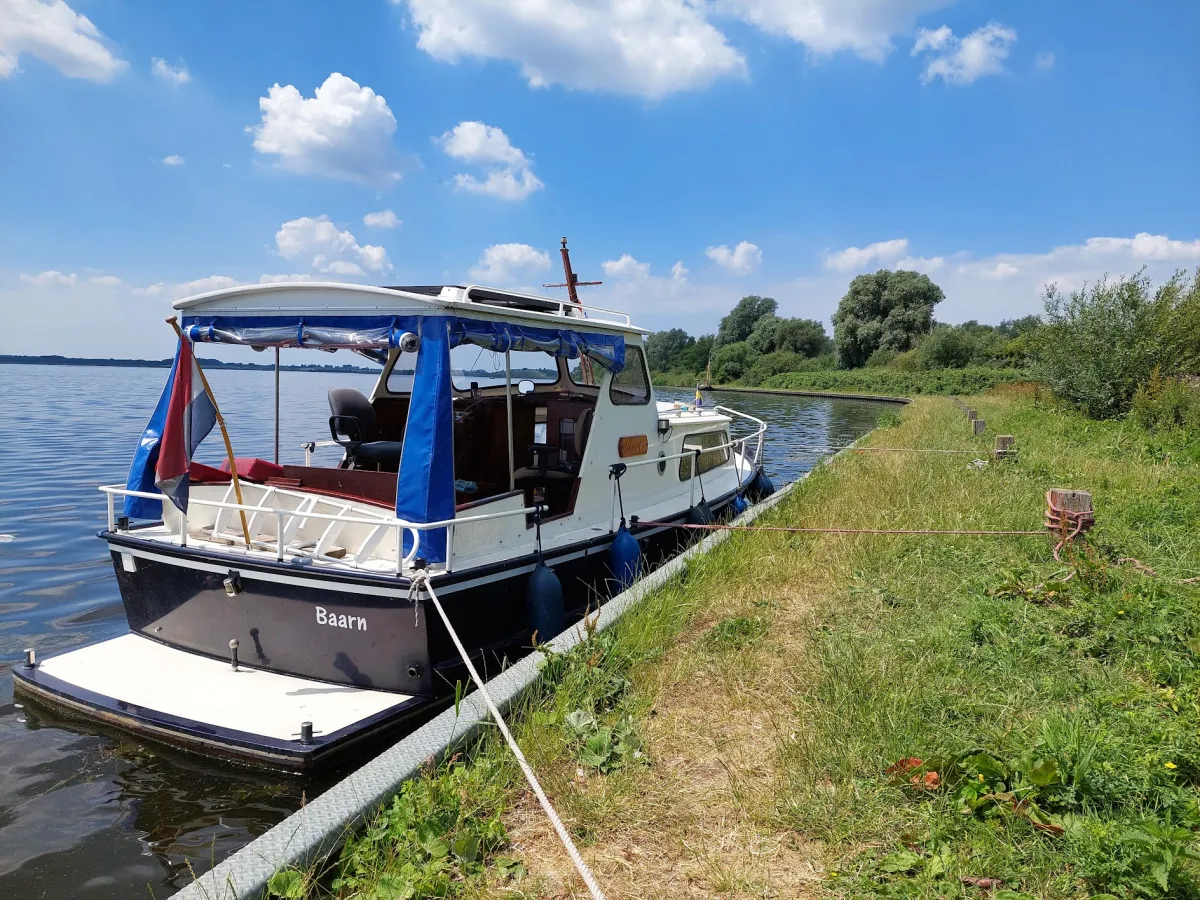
column 940, row 717
column 976, row 713
column 889, row 382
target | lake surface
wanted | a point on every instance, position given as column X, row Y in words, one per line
column 90, row 813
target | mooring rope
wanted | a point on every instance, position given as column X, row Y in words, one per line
column 799, row 530
column 854, row 449
column 420, row 579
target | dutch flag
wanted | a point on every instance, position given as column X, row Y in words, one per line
column 190, row 417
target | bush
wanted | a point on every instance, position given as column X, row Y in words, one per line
column 946, row 348
column 773, row 364
column 887, row 382
column 1099, row 344
column 908, row 361
column 880, row 358
column 1179, row 323
column 731, row 362
column 1166, row 403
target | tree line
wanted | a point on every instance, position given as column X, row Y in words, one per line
column 1108, row 347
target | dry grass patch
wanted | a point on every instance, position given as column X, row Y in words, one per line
column 702, row 818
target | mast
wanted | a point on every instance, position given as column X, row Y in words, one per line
column 572, row 282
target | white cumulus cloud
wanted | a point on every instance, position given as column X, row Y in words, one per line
column 187, row 288
column 279, row 279
column 343, row 131
column 173, row 160
column 328, row 248
column 105, row 280
column 1009, row 285
column 864, row 27
column 857, row 258
column 56, row 34
column 963, row 60
column 649, row 48
column 741, row 260
column 1142, row 247
column 175, row 74
column 928, row 265
column 385, row 218
column 625, row 267
column 992, row 271
column 510, row 172
column 679, row 272
column 1044, row 60
column 645, row 47
column 501, row 263
column 52, row 276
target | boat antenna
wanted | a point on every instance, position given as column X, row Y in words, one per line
column 573, row 282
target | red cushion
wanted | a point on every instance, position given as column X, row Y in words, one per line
column 199, row 473
column 254, row 469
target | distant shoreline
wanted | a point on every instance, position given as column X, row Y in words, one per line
column 16, row 360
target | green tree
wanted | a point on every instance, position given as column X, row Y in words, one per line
column 1179, row 322
column 883, row 311
column 949, row 347
column 1100, row 342
column 694, row 357
column 803, row 336
column 739, row 324
column 732, row 361
column 661, row 346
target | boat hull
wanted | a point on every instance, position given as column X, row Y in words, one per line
column 348, row 628
column 189, row 701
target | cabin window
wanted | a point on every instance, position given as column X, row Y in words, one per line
column 484, row 367
column 575, row 371
column 631, row 386
column 709, row 458
column 400, row 378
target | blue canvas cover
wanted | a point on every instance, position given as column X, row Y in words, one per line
column 383, row 332
column 425, row 486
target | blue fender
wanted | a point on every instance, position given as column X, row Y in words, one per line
column 626, row 555
column 544, row 603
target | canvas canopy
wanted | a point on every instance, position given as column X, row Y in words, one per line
column 384, row 332
column 425, row 484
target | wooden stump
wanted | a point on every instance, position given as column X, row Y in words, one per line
column 978, row 426
column 1004, row 446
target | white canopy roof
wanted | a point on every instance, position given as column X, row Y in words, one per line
column 292, row 299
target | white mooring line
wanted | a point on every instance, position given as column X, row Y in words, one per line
column 313, row 832
column 421, row 581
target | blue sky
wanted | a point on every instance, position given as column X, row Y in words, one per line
column 693, row 152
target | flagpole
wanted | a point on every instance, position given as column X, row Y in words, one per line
column 237, row 485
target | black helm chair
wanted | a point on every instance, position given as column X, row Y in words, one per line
column 353, row 426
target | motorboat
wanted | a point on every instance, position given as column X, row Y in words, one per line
column 272, row 615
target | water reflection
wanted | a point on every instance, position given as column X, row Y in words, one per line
column 176, row 812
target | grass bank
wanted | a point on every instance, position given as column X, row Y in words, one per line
column 888, row 382
column 877, row 381
column 867, row 716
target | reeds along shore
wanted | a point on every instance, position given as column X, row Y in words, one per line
column 865, row 716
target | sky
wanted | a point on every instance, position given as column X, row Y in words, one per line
column 693, row 151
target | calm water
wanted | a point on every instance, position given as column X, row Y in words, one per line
column 86, row 812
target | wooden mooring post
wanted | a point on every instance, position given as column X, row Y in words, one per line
column 978, row 426
column 1004, row 447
